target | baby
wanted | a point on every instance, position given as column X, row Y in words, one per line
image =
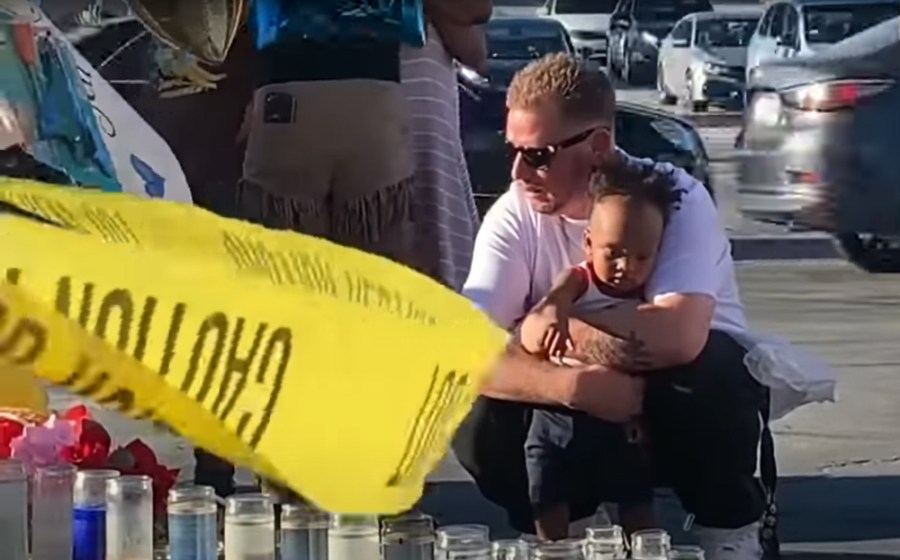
column 565, row 452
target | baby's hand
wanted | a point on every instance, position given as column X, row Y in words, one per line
column 545, row 331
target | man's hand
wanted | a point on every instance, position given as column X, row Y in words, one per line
column 606, row 393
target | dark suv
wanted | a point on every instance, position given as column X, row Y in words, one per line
column 635, row 31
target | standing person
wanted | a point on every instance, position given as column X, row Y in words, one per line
column 702, row 410
column 445, row 218
column 328, row 151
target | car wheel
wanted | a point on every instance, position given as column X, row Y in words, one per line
column 665, row 97
column 870, row 252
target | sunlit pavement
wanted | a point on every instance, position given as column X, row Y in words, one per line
column 840, row 464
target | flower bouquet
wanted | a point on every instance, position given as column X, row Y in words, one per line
column 39, row 439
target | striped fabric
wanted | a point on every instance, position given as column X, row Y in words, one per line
column 445, row 217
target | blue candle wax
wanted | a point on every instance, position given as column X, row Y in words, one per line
column 89, row 533
column 193, row 535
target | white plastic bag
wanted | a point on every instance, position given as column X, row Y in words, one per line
column 794, row 377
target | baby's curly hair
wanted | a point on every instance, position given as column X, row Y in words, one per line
column 638, row 180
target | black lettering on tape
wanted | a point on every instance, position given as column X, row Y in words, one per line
column 237, row 250
column 119, row 300
column 64, row 300
column 364, row 291
column 235, row 365
column 110, row 225
column 281, row 341
column 317, row 272
column 453, row 398
column 440, row 397
column 78, row 373
column 217, row 322
column 120, row 399
column 49, row 209
column 144, row 323
column 172, row 339
column 25, row 342
column 13, row 275
column 96, row 385
column 282, row 267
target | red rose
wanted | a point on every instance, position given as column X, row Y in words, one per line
column 94, row 442
column 9, row 430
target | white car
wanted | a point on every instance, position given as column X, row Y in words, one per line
column 587, row 22
column 796, row 28
column 702, row 59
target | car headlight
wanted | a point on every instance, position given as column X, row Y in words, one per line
column 472, row 77
column 649, row 38
column 714, row 68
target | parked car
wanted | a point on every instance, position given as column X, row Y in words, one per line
column 514, row 42
column 702, row 59
column 819, row 146
column 635, row 31
column 798, row 28
column 587, row 22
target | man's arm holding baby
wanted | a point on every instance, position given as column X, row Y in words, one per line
column 670, row 331
column 499, row 284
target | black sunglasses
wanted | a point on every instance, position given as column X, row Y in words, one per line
column 542, row 158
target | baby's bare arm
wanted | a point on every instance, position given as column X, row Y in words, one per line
column 565, row 291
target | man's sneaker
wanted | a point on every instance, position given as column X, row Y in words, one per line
column 730, row 544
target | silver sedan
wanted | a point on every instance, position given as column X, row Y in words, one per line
column 702, row 60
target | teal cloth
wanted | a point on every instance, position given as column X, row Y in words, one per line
column 337, row 20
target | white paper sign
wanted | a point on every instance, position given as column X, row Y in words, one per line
column 143, row 162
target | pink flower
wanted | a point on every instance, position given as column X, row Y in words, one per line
column 43, row 445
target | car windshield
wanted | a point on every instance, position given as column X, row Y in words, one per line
column 669, row 10
column 833, row 23
column 585, row 6
column 715, row 33
column 516, row 43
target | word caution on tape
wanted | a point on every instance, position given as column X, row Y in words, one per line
column 335, row 372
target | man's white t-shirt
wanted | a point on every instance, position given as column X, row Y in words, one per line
column 519, row 252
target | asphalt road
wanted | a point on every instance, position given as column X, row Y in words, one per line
column 840, row 463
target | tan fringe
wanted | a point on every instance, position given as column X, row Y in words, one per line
column 368, row 217
column 259, row 206
column 360, row 220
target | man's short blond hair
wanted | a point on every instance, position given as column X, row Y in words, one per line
column 580, row 93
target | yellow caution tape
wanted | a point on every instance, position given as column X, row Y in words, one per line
column 335, row 372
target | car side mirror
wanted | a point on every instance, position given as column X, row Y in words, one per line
column 542, row 11
column 680, row 43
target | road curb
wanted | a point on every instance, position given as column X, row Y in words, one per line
column 782, row 247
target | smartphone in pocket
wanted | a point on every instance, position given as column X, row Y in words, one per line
column 279, row 108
